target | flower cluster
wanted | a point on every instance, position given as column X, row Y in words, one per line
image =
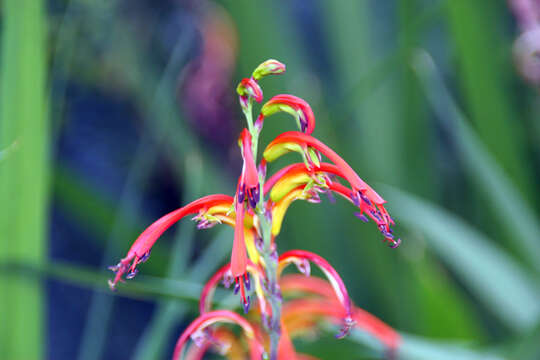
column 288, row 305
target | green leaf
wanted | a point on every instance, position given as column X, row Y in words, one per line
column 487, row 270
column 24, row 174
column 513, row 211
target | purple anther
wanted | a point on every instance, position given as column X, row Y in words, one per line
column 365, row 198
column 227, row 279
column 241, row 194
column 362, row 217
column 236, row 288
column 115, row 268
column 199, row 338
column 145, row 257
column 355, row 199
column 348, row 324
column 304, row 267
column 247, row 281
column 247, row 304
column 132, row 274
column 303, row 125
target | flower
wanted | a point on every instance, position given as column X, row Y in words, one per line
column 360, row 192
column 256, row 212
column 293, row 105
column 140, row 250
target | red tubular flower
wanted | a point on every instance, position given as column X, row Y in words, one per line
column 250, row 177
column 361, row 192
column 202, row 322
column 301, row 259
column 308, row 308
column 306, row 140
column 140, row 250
column 293, row 105
column 239, row 255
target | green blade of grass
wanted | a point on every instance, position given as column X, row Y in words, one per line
column 483, row 59
column 23, row 174
column 144, row 287
column 488, row 271
column 512, row 209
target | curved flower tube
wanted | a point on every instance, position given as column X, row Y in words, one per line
column 198, row 326
column 301, row 312
column 305, row 140
column 292, row 105
column 301, row 259
column 297, row 174
column 292, row 283
column 140, row 250
column 222, row 341
column 300, row 283
column 225, row 274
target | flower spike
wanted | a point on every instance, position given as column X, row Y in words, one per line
column 269, row 67
column 293, row 105
column 140, row 250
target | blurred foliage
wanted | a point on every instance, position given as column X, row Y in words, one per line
column 420, row 95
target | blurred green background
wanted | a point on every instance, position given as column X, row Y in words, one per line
column 114, row 112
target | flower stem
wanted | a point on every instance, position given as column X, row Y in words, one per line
column 269, row 252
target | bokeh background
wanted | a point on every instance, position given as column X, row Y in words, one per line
column 114, row 112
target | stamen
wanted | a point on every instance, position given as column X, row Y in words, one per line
column 362, row 217
column 346, row 328
column 145, row 256
column 130, row 275
column 303, row 266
